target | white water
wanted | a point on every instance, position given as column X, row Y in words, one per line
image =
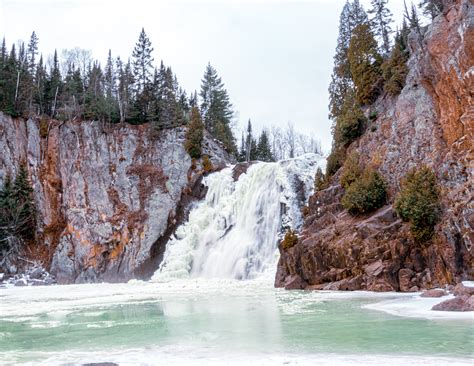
column 234, row 232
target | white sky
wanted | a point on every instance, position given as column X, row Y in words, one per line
column 275, row 57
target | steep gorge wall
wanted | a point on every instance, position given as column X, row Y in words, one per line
column 430, row 123
column 107, row 196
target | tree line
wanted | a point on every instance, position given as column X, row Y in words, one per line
column 132, row 90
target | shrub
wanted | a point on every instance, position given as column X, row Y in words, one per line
column 43, row 128
column 207, row 164
column 365, row 194
column 351, row 170
column 319, row 181
column 350, row 124
column 290, row 240
column 335, row 160
column 418, row 203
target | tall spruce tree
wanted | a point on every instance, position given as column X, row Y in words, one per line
column 365, row 62
column 142, row 70
column 95, row 99
column 194, row 134
column 216, row 108
column 264, row 151
column 380, row 20
column 352, row 15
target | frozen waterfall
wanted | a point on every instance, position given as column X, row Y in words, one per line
column 234, row 232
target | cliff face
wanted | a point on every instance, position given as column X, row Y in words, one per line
column 432, row 123
column 107, row 197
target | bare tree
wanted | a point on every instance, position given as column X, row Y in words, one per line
column 290, row 139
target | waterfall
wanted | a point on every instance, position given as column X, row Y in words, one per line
column 234, row 232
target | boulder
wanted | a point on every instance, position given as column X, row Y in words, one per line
column 295, row 282
column 436, row 292
column 460, row 303
column 461, row 290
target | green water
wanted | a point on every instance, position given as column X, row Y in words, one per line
column 214, row 319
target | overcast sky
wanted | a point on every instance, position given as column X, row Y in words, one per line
column 275, row 57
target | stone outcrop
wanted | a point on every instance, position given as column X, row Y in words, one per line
column 430, row 123
column 108, row 196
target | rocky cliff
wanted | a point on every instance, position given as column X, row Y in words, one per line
column 431, row 122
column 107, row 196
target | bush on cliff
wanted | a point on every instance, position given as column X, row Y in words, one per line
column 351, row 170
column 194, row 134
column 207, row 164
column 320, row 182
column 365, row 194
column 290, row 240
column 418, row 203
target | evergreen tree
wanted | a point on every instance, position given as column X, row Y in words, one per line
column 194, row 134
column 264, row 152
column 380, row 20
column 23, row 195
column 110, row 87
column 53, row 87
column 352, row 15
column 193, row 100
column 124, row 88
column 72, row 95
column 32, row 53
column 9, row 81
column 319, row 180
column 365, row 62
column 242, row 152
column 95, row 101
column 216, row 108
column 250, row 144
column 350, row 123
column 40, row 85
column 142, row 62
column 432, row 8
column 395, row 68
column 142, row 70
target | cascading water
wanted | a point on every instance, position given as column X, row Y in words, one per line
column 234, row 232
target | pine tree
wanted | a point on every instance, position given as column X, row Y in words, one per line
column 32, row 52
column 352, row 15
column 142, row 70
column 216, row 108
column 380, row 21
column 142, row 61
column 194, row 134
column 264, row 152
column 365, row 62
